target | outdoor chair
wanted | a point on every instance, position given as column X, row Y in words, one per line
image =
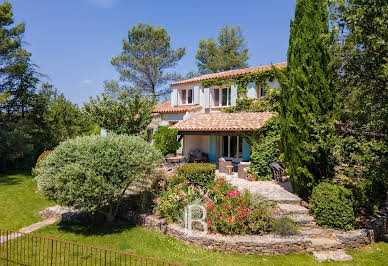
column 242, row 169
column 222, row 165
column 277, row 169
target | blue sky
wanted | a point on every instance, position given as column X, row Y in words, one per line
column 73, row 41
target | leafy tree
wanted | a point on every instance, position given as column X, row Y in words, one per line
column 165, row 139
column 145, row 57
column 307, row 98
column 92, row 173
column 229, row 52
column 361, row 61
column 10, row 36
column 56, row 119
column 120, row 112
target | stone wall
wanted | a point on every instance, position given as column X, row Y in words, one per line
column 306, row 242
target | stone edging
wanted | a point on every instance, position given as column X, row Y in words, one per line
column 306, row 242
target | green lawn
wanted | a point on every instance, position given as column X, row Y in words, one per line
column 19, row 207
column 141, row 241
column 19, row 203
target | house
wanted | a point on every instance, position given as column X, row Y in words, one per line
column 196, row 111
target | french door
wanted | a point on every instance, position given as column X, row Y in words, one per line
column 232, row 147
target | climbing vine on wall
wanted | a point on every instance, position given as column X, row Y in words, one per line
column 242, row 80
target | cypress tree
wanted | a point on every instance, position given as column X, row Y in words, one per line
column 307, row 98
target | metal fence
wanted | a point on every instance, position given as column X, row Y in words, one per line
column 18, row 248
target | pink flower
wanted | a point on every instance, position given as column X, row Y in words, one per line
column 236, row 209
column 180, row 185
column 216, row 190
column 223, row 216
column 214, row 232
column 218, row 184
column 163, row 221
column 206, row 196
column 208, row 223
column 222, row 179
column 186, row 200
column 230, row 220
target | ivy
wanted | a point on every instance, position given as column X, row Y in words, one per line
column 242, row 80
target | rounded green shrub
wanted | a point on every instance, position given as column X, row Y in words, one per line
column 332, row 206
column 92, row 173
column 198, row 174
column 165, row 139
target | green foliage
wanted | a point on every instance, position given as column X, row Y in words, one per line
column 285, row 227
column 229, row 52
column 363, row 169
column 361, row 62
column 166, row 140
column 259, row 215
column 145, row 56
column 243, row 80
column 92, row 173
column 121, row 113
column 307, row 98
column 265, row 149
column 15, row 146
column 56, row 119
column 198, row 174
column 332, row 206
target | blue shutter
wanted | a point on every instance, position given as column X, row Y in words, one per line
column 233, row 95
column 213, row 149
column 207, row 98
column 174, row 97
column 246, row 150
column 251, row 92
column 196, row 94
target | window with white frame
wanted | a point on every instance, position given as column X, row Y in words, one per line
column 221, row 97
column 232, row 147
column 186, row 96
column 261, row 91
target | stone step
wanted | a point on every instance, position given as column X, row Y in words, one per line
column 331, row 255
column 303, row 219
column 315, row 231
column 292, row 209
column 325, row 243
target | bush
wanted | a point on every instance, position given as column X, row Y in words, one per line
column 165, row 139
column 285, row 227
column 332, row 206
column 266, row 150
column 92, row 173
column 198, row 174
column 42, row 156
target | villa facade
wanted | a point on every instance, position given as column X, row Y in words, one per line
column 196, row 111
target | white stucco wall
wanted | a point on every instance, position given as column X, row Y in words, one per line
column 192, row 142
column 274, row 84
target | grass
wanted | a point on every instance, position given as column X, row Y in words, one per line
column 19, row 207
column 148, row 243
column 19, row 203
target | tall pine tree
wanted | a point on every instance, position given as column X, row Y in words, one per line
column 307, row 98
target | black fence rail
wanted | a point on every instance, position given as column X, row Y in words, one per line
column 18, row 248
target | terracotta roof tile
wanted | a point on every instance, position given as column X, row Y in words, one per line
column 224, row 122
column 167, row 108
column 228, row 74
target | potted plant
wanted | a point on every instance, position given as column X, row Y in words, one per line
column 252, row 175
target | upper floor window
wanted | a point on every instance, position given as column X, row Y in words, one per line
column 221, row 97
column 186, row 96
column 261, row 91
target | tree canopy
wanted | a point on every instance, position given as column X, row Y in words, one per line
column 146, row 56
column 123, row 112
column 228, row 52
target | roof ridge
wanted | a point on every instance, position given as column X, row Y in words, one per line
column 229, row 73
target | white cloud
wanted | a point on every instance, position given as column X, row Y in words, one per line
column 103, row 3
column 86, row 81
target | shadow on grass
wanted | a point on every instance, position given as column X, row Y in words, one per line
column 9, row 180
column 95, row 229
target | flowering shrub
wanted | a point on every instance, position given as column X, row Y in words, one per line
column 228, row 210
column 227, row 213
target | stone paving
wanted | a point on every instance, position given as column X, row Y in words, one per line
column 272, row 190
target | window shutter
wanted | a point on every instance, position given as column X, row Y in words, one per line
column 233, row 95
column 247, row 150
column 174, row 97
column 251, row 92
column 207, row 97
column 213, row 149
column 196, row 94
